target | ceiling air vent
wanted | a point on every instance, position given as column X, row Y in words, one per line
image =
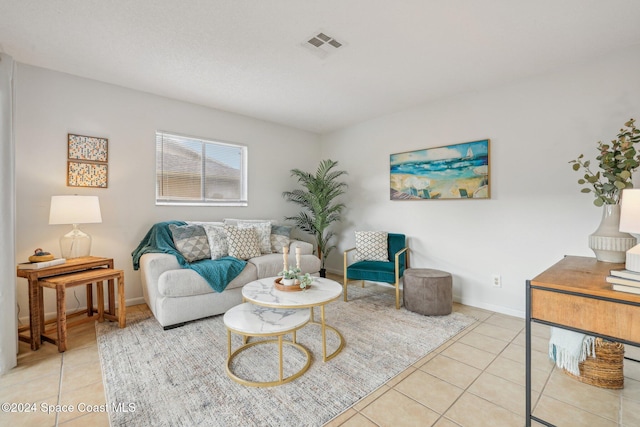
column 316, row 42
column 322, row 44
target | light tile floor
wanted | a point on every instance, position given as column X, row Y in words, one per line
column 475, row 379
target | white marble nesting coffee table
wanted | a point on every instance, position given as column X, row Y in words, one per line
column 249, row 320
column 322, row 291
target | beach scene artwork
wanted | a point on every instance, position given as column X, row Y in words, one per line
column 459, row 171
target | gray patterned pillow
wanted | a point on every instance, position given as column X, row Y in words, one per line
column 243, row 242
column 280, row 237
column 217, row 239
column 191, row 241
column 371, row 246
column 263, row 230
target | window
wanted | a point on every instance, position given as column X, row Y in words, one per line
column 194, row 171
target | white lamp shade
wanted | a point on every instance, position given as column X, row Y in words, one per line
column 630, row 211
column 630, row 223
column 74, row 210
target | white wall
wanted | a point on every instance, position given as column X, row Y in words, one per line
column 49, row 105
column 536, row 213
column 8, row 338
column 535, row 216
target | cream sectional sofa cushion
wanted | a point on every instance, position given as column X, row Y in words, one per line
column 183, row 283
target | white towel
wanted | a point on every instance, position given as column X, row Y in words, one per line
column 568, row 349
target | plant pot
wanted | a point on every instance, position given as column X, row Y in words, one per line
column 323, row 272
column 288, row 282
column 608, row 242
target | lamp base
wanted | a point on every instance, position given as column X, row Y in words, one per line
column 633, row 259
column 75, row 244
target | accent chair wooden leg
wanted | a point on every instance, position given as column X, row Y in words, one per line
column 345, row 280
column 344, row 287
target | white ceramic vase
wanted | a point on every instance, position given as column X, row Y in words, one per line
column 608, row 242
column 288, row 282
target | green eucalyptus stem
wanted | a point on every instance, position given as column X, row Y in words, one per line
column 617, row 161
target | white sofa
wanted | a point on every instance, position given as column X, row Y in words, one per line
column 178, row 295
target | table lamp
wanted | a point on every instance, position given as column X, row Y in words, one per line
column 75, row 210
column 630, row 223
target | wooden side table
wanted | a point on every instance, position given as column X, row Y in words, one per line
column 36, row 311
column 84, row 278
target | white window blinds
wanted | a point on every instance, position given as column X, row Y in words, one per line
column 195, row 171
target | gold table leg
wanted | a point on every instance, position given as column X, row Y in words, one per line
column 323, row 331
column 280, row 357
column 281, row 380
column 324, row 334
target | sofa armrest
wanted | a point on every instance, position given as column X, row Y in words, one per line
column 157, row 263
column 306, row 248
column 152, row 265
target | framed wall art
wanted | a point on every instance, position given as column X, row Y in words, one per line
column 88, row 148
column 81, row 174
column 87, row 164
column 458, row 171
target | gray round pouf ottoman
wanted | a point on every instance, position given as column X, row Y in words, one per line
column 428, row 291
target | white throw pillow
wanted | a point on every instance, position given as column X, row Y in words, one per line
column 371, row 246
column 243, row 242
column 262, row 226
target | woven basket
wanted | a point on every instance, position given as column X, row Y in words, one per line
column 606, row 369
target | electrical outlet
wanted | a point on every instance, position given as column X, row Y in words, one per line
column 496, row 280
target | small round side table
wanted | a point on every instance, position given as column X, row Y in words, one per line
column 249, row 320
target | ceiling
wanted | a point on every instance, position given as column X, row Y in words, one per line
column 247, row 56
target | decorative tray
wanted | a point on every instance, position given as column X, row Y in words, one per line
column 292, row 288
column 39, row 256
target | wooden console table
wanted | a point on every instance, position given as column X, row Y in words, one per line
column 36, row 311
column 573, row 294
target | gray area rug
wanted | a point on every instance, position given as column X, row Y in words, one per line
column 177, row 377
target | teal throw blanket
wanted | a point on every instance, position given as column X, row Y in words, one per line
column 218, row 273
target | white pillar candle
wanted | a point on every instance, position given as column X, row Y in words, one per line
column 298, row 257
column 285, row 251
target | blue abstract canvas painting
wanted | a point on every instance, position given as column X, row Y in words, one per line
column 459, row 171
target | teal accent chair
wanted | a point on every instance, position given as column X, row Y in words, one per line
column 380, row 271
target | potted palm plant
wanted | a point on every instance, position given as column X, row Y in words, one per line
column 320, row 207
column 617, row 161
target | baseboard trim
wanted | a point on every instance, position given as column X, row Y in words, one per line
column 24, row 320
column 456, row 298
